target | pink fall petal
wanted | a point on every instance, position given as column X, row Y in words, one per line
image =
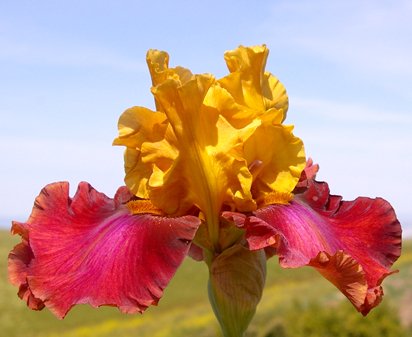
column 90, row 249
column 352, row 244
column 19, row 258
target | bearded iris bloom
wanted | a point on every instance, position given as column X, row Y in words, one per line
column 215, row 174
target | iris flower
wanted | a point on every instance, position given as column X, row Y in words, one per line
column 215, row 174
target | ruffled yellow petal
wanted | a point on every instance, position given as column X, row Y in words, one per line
column 252, row 90
column 158, row 64
column 212, row 143
column 274, row 94
column 209, row 169
column 280, row 157
column 136, row 126
column 235, row 113
column 137, row 173
column 139, row 124
column 246, row 66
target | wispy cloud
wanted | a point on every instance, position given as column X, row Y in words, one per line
column 349, row 112
column 373, row 36
column 356, row 129
column 29, row 164
column 361, row 150
column 35, row 46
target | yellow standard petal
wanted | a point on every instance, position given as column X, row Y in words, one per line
column 209, row 170
column 253, row 91
column 136, row 126
column 212, row 144
column 274, row 156
column 276, row 166
column 158, row 64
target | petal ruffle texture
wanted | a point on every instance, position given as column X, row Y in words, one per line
column 202, row 147
column 352, row 244
column 279, row 167
column 209, row 157
column 158, row 64
column 90, row 249
column 256, row 91
column 136, row 126
column 249, row 94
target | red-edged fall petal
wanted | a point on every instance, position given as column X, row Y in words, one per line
column 90, row 249
column 353, row 244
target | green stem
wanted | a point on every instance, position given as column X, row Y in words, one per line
column 227, row 330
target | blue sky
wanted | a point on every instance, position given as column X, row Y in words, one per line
column 68, row 70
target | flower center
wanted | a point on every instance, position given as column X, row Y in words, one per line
column 143, row 207
column 275, row 198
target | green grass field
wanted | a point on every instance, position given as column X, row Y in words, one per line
column 295, row 303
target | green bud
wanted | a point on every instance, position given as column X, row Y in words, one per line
column 237, row 277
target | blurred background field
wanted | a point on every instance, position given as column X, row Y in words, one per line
column 295, row 303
